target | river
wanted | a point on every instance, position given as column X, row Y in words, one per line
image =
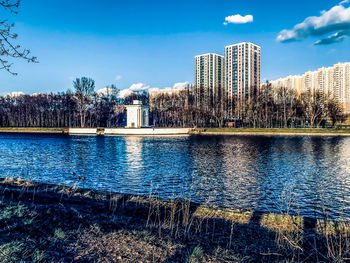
column 300, row 175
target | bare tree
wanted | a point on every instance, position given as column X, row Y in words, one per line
column 84, row 90
column 314, row 105
column 106, row 102
column 335, row 111
column 286, row 99
column 252, row 111
column 267, row 105
column 8, row 49
column 84, row 108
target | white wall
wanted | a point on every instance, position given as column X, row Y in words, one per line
column 137, row 116
column 146, row 131
column 131, row 116
column 82, row 130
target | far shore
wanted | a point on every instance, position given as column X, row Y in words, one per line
column 210, row 131
column 31, row 130
column 273, row 131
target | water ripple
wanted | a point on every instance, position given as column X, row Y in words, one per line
column 304, row 175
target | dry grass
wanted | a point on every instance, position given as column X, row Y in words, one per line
column 282, row 222
column 18, row 181
column 236, row 216
column 69, row 224
column 122, row 246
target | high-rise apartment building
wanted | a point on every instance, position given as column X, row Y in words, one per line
column 333, row 81
column 209, row 79
column 242, row 70
column 310, row 81
column 322, row 80
column 338, row 82
column 346, row 69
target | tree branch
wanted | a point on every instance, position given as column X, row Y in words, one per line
column 10, row 5
column 7, row 48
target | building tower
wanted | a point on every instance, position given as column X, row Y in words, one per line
column 209, row 79
column 347, row 87
column 242, row 70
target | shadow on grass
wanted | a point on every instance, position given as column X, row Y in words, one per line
column 43, row 222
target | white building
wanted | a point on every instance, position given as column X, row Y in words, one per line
column 334, row 81
column 137, row 115
column 310, row 81
column 209, row 78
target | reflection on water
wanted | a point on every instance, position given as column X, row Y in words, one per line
column 296, row 174
column 133, row 163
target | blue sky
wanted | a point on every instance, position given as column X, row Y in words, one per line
column 154, row 42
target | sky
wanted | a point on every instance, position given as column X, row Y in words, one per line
column 140, row 44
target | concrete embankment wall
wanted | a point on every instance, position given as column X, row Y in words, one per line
column 146, row 131
column 126, row 131
column 183, row 131
column 82, row 131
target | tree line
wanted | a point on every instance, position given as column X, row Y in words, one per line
column 285, row 108
column 266, row 108
column 83, row 107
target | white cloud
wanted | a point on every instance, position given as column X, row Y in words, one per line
column 105, row 91
column 134, row 87
column 118, row 77
column 238, row 19
column 124, row 93
column 15, row 94
column 335, row 19
column 143, row 87
column 139, row 87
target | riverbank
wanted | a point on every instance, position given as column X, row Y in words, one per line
column 100, row 131
column 129, row 131
column 52, row 223
column 200, row 131
column 32, row 130
column 272, row 132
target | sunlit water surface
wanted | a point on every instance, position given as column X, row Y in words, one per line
column 302, row 175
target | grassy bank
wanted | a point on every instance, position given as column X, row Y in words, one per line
column 50, row 223
column 32, row 130
column 272, row 131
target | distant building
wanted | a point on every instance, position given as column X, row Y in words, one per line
column 310, row 81
column 209, row 79
column 333, row 81
column 137, row 115
column 242, row 70
column 155, row 92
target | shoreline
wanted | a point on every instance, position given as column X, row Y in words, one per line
column 273, row 134
column 204, row 132
column 34, row 130
column 66, row 224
